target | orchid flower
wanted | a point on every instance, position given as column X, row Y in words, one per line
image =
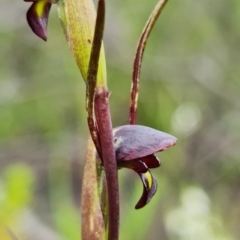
column 135, row 146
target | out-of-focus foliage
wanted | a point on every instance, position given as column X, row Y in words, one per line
column 189, row 88
column 16, row 194
column 194, row 219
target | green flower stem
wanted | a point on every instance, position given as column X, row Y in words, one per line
column 138, row 59
column 93, row 226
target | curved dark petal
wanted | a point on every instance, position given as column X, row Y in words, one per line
column 37, row 17
column 151, row 161
column 135, row 141
column 136, row 165
column 149, row 182
column 149, row 189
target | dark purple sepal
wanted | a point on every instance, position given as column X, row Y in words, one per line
column 135, row 165
column 136, row 142
column 37, row 17
column 140, row 165
column 151, row 161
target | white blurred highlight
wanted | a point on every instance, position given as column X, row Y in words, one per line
column 186, row 118
column 193, row 219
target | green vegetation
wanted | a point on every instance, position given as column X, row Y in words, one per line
column 189, row 88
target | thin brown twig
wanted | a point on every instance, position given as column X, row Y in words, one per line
column 92, row 73
column 138, row 59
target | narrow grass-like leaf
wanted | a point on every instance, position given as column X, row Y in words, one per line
column 138, row 59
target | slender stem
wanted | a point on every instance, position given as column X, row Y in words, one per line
column 97, row 96
column 104, row 123
column 92, row 72
column 91, row 203
column 138, row 59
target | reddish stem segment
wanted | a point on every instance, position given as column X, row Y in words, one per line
column 104, row 124
column 92, row 72
column 91, row 201
column 138, row 59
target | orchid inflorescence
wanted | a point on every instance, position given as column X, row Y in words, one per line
column 130, row 146
column 134, row 145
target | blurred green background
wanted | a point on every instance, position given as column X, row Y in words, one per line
column 189, row 88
